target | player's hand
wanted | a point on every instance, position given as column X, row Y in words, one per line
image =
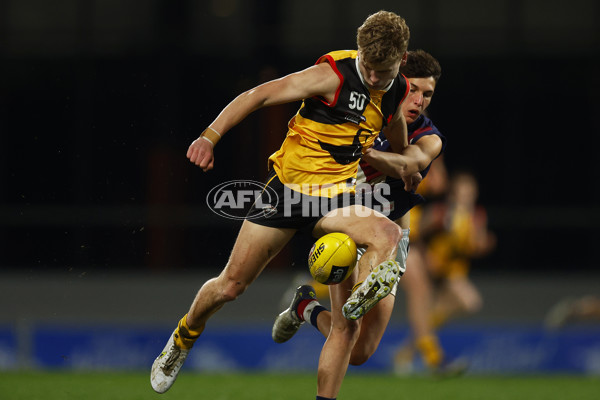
column 200, row 153
column 411, row 182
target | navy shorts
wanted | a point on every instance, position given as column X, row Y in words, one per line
column 388, row 197
column 400, row 201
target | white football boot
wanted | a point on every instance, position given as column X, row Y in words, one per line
column 376, row 286
column 287, row 323
column 166, row 366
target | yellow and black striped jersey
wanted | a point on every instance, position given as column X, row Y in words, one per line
column 325, row 141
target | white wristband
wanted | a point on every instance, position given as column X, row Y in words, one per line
column 208, row 140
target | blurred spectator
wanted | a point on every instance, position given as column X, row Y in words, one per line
column 448, row 234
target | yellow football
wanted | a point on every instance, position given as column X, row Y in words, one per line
column 332, row 258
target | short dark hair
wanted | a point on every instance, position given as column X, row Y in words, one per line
column 421, row 64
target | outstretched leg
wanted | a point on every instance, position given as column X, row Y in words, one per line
column 342, row 336
column 248, row 258
column 380, row 237
column 374, row 322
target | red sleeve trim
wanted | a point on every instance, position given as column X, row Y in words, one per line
column 331, row 62
column 419, row 131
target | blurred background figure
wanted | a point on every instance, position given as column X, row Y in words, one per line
column 417, row 284
column 573, row 310
column 458, row 233
column 445, row 236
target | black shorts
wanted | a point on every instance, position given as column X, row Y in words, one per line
column 278, row 206
column 399, row 201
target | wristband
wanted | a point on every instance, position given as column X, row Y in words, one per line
column 211, row 135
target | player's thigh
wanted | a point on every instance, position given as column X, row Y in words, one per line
column 365, row 226
column 254, row 247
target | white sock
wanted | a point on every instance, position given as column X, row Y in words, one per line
column 308, row 310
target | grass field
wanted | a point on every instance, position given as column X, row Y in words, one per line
column 136, row 386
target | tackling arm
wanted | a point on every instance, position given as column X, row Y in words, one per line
column 413, row 159
column 397, row 132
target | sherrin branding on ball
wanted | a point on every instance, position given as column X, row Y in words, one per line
column 332, row 258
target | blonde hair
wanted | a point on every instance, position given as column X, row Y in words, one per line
column 383, row 37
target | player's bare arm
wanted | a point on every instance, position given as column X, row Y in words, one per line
column 318, row 80
column 397, row 132
column 411, row 160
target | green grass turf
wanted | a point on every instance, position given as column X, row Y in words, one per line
column 134, row 386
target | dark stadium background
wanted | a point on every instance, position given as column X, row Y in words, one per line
column 105, row 235
column 99, row 101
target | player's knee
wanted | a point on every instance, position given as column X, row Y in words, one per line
column 474, row 305
column 361, row 354
column 231, row 287
column 359, row 359
column 393, row 233
column 347, row 334
column 388, row 235
column 231, row 292
column 470, row 303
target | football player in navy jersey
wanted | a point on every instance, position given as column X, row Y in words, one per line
column 381, row 164
column 348, row 98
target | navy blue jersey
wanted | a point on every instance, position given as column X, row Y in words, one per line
column 401, row 201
